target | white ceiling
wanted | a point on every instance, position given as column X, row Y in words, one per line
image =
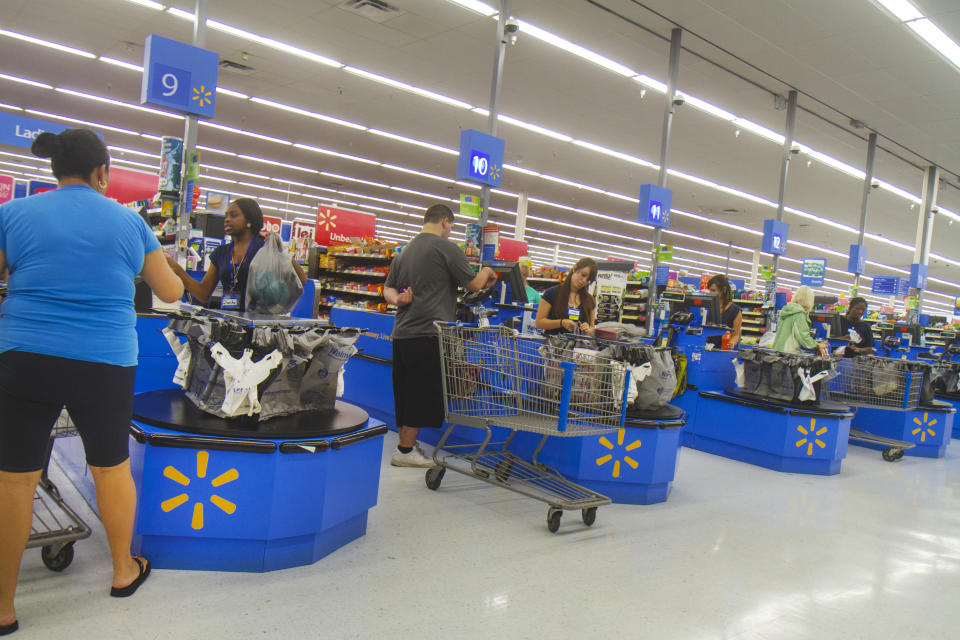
column 850, row 55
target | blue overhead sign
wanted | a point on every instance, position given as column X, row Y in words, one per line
column 179, row 76
column 813, row 271
column 20, row 131
column 654, row 207
column 858, row 259
column 39, row 186
column 885, row 285
column 918, row 275
column 481, row 158
column 774, row 237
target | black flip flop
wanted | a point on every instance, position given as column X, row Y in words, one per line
column 7, row 629
column 130, row 589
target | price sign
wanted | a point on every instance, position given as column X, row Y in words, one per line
column 179, row 76
column 481, row 158
column 654, row 207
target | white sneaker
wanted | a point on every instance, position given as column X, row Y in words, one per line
column 413, row 459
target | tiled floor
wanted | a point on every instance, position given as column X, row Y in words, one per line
column 737, row 552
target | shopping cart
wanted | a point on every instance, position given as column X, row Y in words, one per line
column 494, row 377
column 56, row 527
column 879, row 383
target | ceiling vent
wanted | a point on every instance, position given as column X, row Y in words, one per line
column 237, row 68
column 376, row 10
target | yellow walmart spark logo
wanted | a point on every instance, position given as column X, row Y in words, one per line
column 812, row 436
column 202, row 95
column 602, row 460
column 495, row 172
column 924, row 427
column 327, row 220
column 177, row 476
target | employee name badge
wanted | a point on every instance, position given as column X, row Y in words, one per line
column 230, row 302
column 574, row 314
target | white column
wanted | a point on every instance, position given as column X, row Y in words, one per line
column 521, row 228
column 755, row 270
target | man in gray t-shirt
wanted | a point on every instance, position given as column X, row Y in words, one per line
column 423, row 283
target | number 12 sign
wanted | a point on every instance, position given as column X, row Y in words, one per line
column 179, row 76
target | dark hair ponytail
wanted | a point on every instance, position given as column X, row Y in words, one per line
column 72, row 152
column 251, row 211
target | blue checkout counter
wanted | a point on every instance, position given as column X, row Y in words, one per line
column 239, row 495
column 635, row 466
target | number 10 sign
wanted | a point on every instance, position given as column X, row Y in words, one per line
column 179, row 76
column 481, row 158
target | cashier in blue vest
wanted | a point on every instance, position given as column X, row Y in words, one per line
column 569, row 306
column 230, row 263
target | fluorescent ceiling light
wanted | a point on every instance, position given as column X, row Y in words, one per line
column 10, row 106
column 512, row 167
column 150, row 136
column 93, row 125
column 215, row 150
column 419, row 143
column 118, row 103
column 121, row 63
column 540, row 34
column 32, row 83
column 424, row 174
column 439, row 97
column 274, row 44
column 135, row 152
column 760, row 130
column 650, row 83
column 241, row 173
column 154, row 168
column 233, row 94
column 902, row 9
column 47, row 43
column 937, row 39
column 705, row 106
column 340, row 176
column 309, row 114
column 535, row 127
column 614, row 154
column 475, row 5
column 180, row 13
column 242, row 132
column 150, row 4
column 337, row 154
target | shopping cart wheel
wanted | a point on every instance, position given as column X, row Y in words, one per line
column 57, row 561
column 892, row 454
column 502, row 470
column 589, row 516
column 553, row 519
column 434, row 477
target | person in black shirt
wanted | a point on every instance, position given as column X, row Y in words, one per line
column 569, row 306
column 730, row 315
column 853, row 320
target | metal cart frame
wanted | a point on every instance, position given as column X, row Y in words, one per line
column 56, row 527
column 494, row 377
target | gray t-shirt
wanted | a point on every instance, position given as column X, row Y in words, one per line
column 432, row 267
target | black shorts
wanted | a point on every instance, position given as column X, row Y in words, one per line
column 33, row 390
column 418, row 382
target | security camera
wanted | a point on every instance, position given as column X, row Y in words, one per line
column 794, row 149
column 510, row 31
column 678, row 100
column 874, row 184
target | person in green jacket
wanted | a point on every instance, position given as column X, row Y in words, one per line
column 793, row 328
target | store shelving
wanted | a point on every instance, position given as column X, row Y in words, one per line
column 353, row 278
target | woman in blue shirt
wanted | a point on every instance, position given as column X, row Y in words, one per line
column 230, row 263
column 68, row 339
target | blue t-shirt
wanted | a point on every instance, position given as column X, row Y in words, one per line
column 72, row 255
column 234, row 278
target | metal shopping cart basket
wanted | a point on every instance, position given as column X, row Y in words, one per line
column 56, row 527
column 882, row 383
column 494, row 377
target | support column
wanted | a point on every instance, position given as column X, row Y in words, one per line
column 674, row 70
column 521, row 229
column 556, row 255
column 726, row 271
column 755, row 270
column 498, row 55
column 784, row 167
column 190, row 146
column 931, row 186
column 867, row 189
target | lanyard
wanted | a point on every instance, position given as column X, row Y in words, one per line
column 235, row 269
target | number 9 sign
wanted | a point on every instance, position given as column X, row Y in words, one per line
column 171, row 83
column 179, row 76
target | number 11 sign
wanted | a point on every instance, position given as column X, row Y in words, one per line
column 179, row 76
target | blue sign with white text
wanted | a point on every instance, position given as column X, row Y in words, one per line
column 885, row 285
column 918, row 275
column 813, row 271
column 179, row 76
column 858, row 259
column 481, row 158
column 774, row 237
column 654, row 207
column 20, row 131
